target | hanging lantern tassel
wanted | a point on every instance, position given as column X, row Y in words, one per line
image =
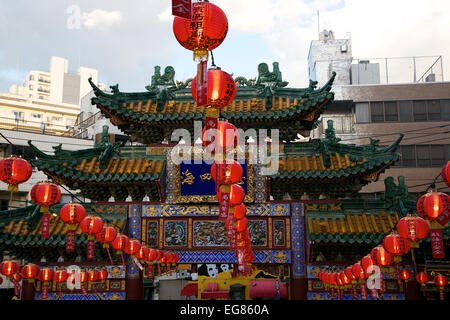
column 16, row 286
column 374, row 293
column 158, row 268
column 149, row 270
column 397, row 260
column 441, row 292
column 60, row 291
column 44, row 294
column 45, row 222
column 90, row 247
column 355, row 293
column 201, row 54
column 70, row 243
column 362, row 287
column 382, row 288
column 84, row 289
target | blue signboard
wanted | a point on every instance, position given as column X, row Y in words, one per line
column 196, row 180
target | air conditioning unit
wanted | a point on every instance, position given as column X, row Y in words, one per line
column 344, row 48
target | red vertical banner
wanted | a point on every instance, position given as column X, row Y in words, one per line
column 444, row 217
column 70, row 243
column 437, row 245
column 202, row 84
column 44, row 294
column 45, row 225
column 363, row 288
column 224, row 202
column 149, row 271
column 84, row 290
column 90, row 248
column 182, row 8
column 399, row 278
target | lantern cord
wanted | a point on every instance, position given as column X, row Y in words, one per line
column 212, row 60
column 6, row 139
column 123, row 263
column 413, row 258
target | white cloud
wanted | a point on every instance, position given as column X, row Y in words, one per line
column 102, row 20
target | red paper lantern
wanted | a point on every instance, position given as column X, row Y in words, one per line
column 413, row 228
column 93, row 276
column 106, row 236
column 380, row 256
column 405, row 274
column 17, row 277
column 45, row 194
column 358, row 271
column 91, row 225
column 120, row 242
column 231, row 173
column 241, row 225
column 366, row 262
column 396, row 245
column 226, row 135
column 15, row 170
column 431, row 205
column 422, row 278
column 30, row 271
column 103, row 275
column 46, row 275
column 348, row 272
column 143, row 253
column 237, row 195
column 132, row 247
column 72, row 213
column 239, row 211
column 440, row 280
column 204, row 32
column 152, row 254
column 445, row 174
column 221, row 88
column 9, row 268
column 60, row 276
column 84, row 276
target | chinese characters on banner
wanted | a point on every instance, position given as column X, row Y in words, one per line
column 182, row 8
column 45, row 225
column 437, row 245
column 202, row 84
column 224, row 205
column 90, row 249
column 70, row 244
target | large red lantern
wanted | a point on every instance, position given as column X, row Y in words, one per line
column 221, row 88
column 445, row 174
column 380, row 256
column 14, row 171
column 405, row 274
column 45, row 276
column 120, row 242
column 45, row 194
column 413, row 228
column 441, row 281
column 132, row 247
column 237, row 195
column 396, row 245
column 422, row 278
column 230, row 173
column 204, row 32
column 241, row 225
column 358, row 271
column 431, row 205
column 9, row 268
column 72, row 213
column 239, row 211
column 60, row 276
column 366, row 262
column 93, row 276
column 106, row 236
column 226, row 135
column 152, row 255
column 91, row 225
column 103, row 275
column 30, row 271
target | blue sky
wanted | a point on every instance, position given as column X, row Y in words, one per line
column 125, row 40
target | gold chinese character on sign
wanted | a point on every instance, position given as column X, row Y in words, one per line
column 206, row 176
column 188, row 178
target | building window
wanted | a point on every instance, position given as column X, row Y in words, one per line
column 434, row 110
column 36, row 115
column 342, row 124
column 423, row 156
column 391, row 112
column 445, row 106
column 18, row 115
column 377, row 112
column 362, row 112
column 31, row 77
column 405, row 111
column 420, row 110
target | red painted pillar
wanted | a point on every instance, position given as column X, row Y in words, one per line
column 134, row 287
column 28, row 290
column 299, row 288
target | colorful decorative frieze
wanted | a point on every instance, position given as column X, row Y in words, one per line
column 261, row 256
